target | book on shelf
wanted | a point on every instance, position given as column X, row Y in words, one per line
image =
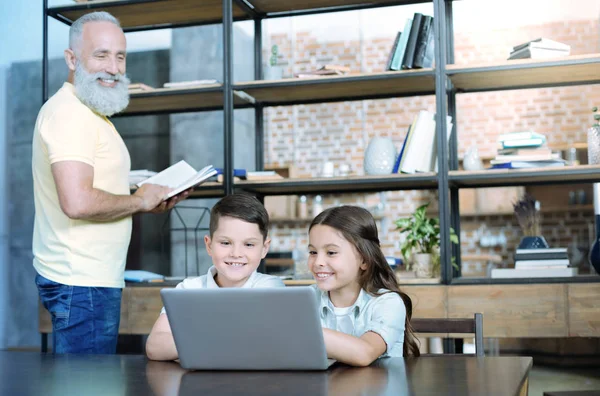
column 528, row 164
column 325, row 70
column 501, row 159
column 499, row 273
column 419, row 150
column 423, row 39
column 138, row 87
column 542, row 42
column 401, row 47
column 388, row 63
column 139, row 175
column 253, row 175
column 429, row 56
column 537, row 53
column 541, row 250
column 190, row 84
column 180, row 177
column 520, row 136
column 540, row 256
column 522, row 143
column 540, row 48
column 411, row 45
column 553, row 263
column 139, row 276
column 525, row 151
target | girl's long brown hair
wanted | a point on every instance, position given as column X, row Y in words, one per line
column 358, row 227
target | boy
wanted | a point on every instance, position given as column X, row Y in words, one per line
column 237, row 241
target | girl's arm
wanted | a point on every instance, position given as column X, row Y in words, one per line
column 160, row 344
column 356, row 351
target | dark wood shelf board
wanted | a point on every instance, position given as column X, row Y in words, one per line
column 543, row 209
column 173, row 100
column 337, row 185
column 151, row 14
column 526, row 73
column 136, row 15
column 208, row 190
column 508, row 281
column 521, row 177
column 293, row 7
column 340, row 88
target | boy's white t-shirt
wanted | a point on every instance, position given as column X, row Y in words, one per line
column 256, row 280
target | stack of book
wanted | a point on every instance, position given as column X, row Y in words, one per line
column 524, row 150
column 538, row 263
column 326, row 70
column 540, row 48
column 413, row 47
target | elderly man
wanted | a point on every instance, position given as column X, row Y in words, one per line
column 83, row 206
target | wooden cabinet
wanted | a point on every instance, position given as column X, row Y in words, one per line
column 509, row 311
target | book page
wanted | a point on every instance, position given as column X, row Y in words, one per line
column 193, row 181
column 173, row 176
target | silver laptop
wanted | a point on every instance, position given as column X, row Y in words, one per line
column 247, row 329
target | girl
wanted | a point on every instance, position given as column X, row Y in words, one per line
column 363, row 312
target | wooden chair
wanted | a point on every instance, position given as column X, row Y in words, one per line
column 461, row 326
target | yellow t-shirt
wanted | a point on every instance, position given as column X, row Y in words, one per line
column 78, row 252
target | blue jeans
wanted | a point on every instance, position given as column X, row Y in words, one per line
column 84, row 319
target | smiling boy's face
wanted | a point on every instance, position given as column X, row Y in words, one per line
column 236, row 248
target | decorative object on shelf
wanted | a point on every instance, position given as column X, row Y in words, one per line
column 593, row 137
column 273, row 71
column 422, row 237
column 472, row 161
column 527, row 212
column 344, row 170
column 328, row 169
column 303, row 207
column 380, row 156
column 594, row 256
column 317, row 206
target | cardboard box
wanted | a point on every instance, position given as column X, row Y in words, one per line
column 281, row 206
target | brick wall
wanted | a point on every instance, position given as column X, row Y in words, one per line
column 305, row 136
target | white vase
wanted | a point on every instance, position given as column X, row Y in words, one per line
column 593, row 139
column 423, row 265
column 380, row 156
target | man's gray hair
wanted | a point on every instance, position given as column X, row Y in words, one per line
column 76, row 30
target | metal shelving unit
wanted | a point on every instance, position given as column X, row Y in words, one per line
column 445, row 82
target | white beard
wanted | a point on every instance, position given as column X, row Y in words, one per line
column 103, row 100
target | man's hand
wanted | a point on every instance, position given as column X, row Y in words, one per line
column 152, row 196
column 168, row 205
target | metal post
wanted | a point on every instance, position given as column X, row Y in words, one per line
column 453, row 141
column 45, row 53
column 258, row 109
column 228, row 96
column 442, row 147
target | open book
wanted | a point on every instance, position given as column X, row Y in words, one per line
column 180, row 177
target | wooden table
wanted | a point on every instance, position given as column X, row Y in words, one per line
column 30, row 373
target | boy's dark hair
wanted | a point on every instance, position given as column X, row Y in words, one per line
column 241, row 206
column 359, row 228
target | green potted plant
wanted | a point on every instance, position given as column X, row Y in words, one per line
column 421, row 246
